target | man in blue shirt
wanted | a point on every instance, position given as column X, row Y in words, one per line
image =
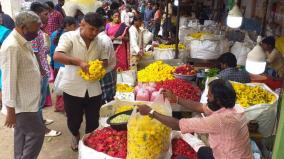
column 148, row 15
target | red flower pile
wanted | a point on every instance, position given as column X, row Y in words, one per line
column 185, row 70
column 181, row 89
column 109, row 141
column 181, row 148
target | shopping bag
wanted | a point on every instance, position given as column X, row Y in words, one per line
column 57, row 90
column 51, row 77
column 127, row 77
column 147, row 37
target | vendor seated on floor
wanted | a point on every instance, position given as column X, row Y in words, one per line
column 229, row 70
column 227, row 130
column 275, row 60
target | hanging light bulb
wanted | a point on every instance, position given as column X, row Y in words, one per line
column 256, row 62
column 176, row 3
column 235, row 18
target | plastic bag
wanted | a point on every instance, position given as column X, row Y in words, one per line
column 127, row 77
column 51, row 78
column 147, row 137
column 147, row 37
column 57, row 90
column 204, row 49
column 192, row 140
column 164, row 54
column 128, row 96
column 240, row 50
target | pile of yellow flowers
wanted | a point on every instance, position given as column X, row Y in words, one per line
column 147, row 138
column 252, row 95
column 123, row 108
column 156, row 72
column 199, row 35
column 96, row 71
column 171, row 46
column 125, row 88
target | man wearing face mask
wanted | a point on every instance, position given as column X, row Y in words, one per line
column 75, row 49
column 21, row 87
column 227, row 129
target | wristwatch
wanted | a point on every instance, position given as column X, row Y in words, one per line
column 151, row 113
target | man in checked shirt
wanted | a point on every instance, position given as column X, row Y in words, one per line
column 228, row 63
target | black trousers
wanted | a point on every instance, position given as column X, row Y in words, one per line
column 205, row 153
column 76, row 107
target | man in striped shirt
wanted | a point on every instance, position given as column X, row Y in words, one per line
column 227, row 129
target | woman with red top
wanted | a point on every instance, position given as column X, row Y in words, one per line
column 118, row 32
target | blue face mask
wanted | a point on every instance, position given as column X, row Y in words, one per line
column 29, row 36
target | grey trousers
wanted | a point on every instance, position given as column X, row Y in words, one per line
column 28, row 135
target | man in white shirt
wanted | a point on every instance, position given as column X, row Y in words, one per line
column 127, row 16
column 21, row 87
column 108, row 83
column 75, row 49
column 135, row 42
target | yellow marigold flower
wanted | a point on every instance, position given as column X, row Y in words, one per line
column 96, row 71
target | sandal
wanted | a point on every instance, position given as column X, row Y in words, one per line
column 75, row 143
column 48, row 121
column 53, row 133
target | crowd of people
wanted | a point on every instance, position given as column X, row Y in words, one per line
column 112, row 34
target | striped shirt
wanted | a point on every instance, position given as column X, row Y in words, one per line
column 227, row 131
column 21, row 74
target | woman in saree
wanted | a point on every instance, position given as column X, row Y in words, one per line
column 118, row 32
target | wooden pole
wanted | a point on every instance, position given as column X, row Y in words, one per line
column 167, row 15
column 263, row 27
column 177, row 28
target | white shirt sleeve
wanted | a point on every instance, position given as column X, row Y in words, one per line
column 134, row 41
column 9, row 66
column 106, row 49
column 64, row 44
column 122, row 16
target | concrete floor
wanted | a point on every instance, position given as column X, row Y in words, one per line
column 53, row 148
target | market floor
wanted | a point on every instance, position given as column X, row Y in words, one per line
column 53, row 148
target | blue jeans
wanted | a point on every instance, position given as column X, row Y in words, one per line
column 43, row 91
